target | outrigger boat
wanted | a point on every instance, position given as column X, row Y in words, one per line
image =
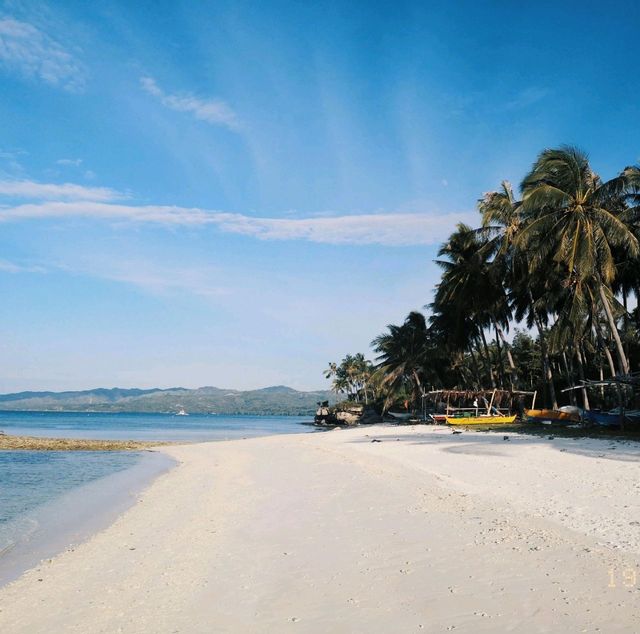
column 482, row 419
column 551, row 416
column 490, row 413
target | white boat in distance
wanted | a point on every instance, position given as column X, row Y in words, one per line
column 181, row 412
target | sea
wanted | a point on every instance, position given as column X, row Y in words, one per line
column 52, row 500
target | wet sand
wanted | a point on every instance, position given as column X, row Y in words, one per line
column 32, row 443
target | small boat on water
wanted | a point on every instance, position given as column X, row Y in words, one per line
column 560, row 416
column 483, row 419
column 181, row 412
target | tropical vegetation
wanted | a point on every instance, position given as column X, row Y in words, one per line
column 560, row 258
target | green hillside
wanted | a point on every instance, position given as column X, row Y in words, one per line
column 271, row 400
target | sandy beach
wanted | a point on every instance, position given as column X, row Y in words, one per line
column 423, row 531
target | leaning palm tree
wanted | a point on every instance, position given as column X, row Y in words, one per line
column 574, row 218
column 401, row 359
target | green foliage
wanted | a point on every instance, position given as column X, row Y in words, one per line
column 564, row 260
column 353, row 377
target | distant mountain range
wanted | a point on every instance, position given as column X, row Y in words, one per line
column 278, row 399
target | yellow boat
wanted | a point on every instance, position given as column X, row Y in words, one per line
column 551, row 415
column 488, row 419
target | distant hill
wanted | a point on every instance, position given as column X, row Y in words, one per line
column 278, row 399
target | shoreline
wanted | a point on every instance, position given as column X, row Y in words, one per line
column 422, row 530
column 77, row 515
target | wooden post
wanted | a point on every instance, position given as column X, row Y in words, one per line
column 493, row 395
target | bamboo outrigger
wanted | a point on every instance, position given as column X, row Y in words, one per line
column 619, row 416
column 492, row 414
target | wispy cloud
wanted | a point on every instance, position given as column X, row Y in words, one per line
column 383, row 229
column 392, row 229
column 11, row 267
column 69, row 162
column 32, row 190
column 155, row 278
column 213, row 111
column 526, row 98
column 33, row 53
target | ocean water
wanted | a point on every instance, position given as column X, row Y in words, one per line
column 52, row 500
column 192, row 428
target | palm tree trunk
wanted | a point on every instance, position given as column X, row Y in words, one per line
column 625, row 293
column 546, row 363
column 512, row 366
column 416, row 378
column 601, row 380
column 492, row 377
column 612, row 367
column 585, row 397
column 605, row 348
column 624, row 364
column 501, row 370
column 568, row 367
column 476, row 368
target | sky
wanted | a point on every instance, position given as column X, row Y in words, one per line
column 236, row 193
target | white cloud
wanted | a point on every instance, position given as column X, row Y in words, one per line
column 32, row 53
column 384, row 229
column 213, row 111
column 399, row 229
column 51, row 191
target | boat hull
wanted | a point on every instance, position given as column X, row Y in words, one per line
column 551, row 415
column 603, row 419
column 481, row 420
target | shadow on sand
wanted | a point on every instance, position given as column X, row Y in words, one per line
column 496, row 442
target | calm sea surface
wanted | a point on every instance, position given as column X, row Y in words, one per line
column 49, row 500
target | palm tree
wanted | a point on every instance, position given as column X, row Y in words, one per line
column 351, row 376
column 571, row 216
column 402, row 355
column 501, row 222
column 472, row 285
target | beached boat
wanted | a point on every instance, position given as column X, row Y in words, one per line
column 603, row 419
column 483, row 419
column 476, row 407
column 403, row 416
column 551, row 416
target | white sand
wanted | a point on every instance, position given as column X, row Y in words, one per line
column 330, row 532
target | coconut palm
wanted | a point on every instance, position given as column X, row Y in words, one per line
column 472, row 285
column 574, row 218
column 501, row 222
column 402, row 353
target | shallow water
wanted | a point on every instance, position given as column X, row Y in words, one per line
column 52, row 499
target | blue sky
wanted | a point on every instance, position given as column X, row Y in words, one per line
column 236, row 193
